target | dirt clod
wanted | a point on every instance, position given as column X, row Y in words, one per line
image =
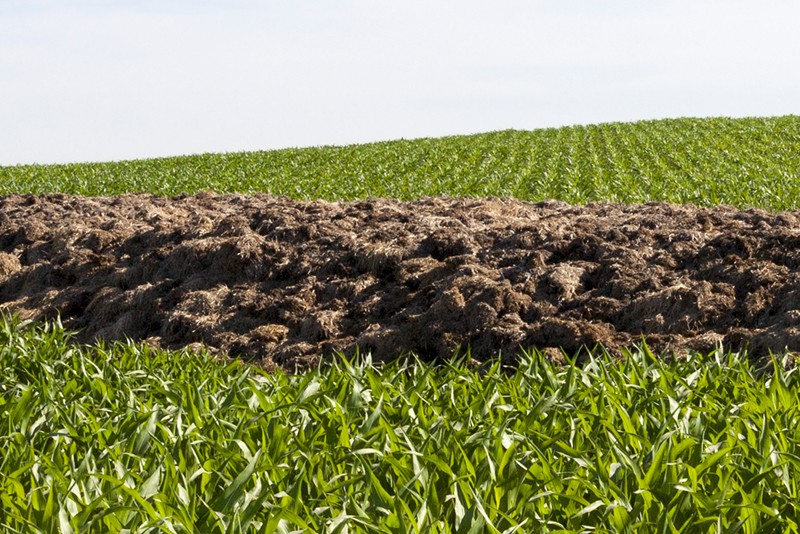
column 287, row 283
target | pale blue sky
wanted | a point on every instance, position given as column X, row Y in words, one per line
column 107, row 80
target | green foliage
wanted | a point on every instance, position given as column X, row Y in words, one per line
column 743, row 162
column 125, row 439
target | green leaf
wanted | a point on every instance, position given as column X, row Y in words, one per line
column 235, row 489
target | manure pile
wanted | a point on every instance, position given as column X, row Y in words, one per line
column 286, row 283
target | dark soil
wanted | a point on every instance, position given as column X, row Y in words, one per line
column 287, row 283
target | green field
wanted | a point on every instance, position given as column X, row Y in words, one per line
column 126, row 440
column 122, row 439
column 743, row 162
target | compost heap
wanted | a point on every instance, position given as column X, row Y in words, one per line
column 286, row 283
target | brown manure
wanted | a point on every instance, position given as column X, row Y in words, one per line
column 288, row 283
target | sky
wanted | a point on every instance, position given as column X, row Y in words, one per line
column 107, row 80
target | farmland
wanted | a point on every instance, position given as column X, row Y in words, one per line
column 741, row 162
column 122, row 436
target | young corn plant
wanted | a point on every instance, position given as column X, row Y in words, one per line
column 127, row 439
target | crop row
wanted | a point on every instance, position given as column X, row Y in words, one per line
column 749, row 162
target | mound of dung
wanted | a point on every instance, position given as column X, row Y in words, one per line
column 288, row 282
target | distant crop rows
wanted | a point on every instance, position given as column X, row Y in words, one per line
column 743, row 162
column 129, row 440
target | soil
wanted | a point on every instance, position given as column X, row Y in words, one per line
column 286, row 283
